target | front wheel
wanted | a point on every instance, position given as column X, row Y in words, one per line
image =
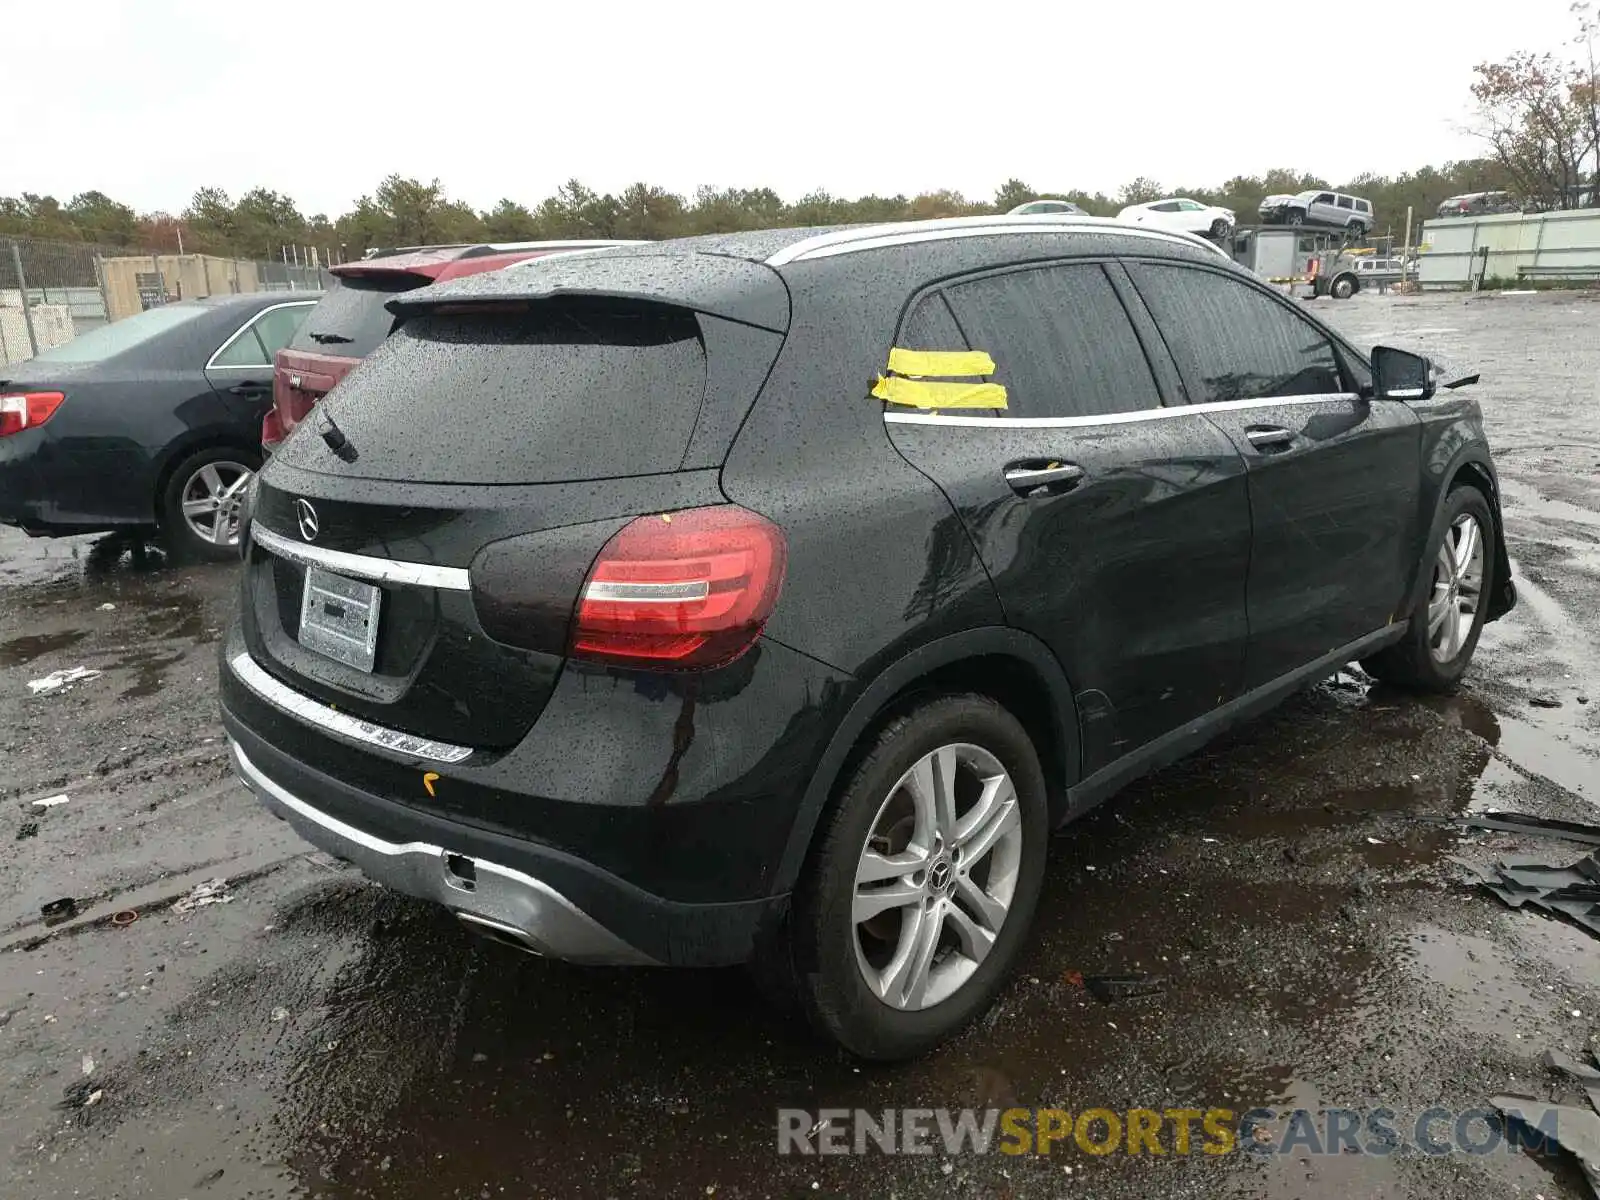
column 201, row 504
column 1296, row 217
column 1343, row 287
column 1457, row 566
column 918, row 896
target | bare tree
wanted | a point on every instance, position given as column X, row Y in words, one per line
column 1540, row 115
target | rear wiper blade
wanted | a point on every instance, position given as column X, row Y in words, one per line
column 336, row 441
column 330, row 339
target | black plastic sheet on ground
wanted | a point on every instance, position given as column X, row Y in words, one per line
column 1570, row 892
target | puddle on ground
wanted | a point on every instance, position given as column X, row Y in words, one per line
column 20, row 650
column 150, row 667
column 1475, row 984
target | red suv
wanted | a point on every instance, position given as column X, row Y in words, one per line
column 350, row 321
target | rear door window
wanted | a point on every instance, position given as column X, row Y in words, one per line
column 1346, row 202
column 550, row 393
column 1062, row 343
column 350, row 320
column 1233, row 342
column 264, row 336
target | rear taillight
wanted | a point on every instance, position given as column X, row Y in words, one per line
column 681, row 590
column 24, row 410
column 272, row 432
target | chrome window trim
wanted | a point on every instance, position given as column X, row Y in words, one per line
column 1123, row 418
column 363, row 566
column 906, row 233
column 314, row 713
column 211, row 363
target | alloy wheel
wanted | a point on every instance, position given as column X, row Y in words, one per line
column 1457, row 588
column 212, row 499
column 937, row 876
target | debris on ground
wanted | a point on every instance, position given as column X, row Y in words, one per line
column 1576, row 1130
column 60, row 910
column 124, row 918
column 1515, row 822
column 280, row 1014
column 1585, row 1073
column 57, row 680
column 80, row 1094
column 27, row 830
column 1572, row 891
column 108, row 607
column 1544, row 702
column 1121, row 987
column 212, row 891
column 51, row 801
column 87, row 1065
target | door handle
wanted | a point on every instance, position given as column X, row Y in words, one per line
column 250, row 389
column 1269, row 435
column 1043, row 476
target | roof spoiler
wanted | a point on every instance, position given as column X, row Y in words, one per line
column 733, row 288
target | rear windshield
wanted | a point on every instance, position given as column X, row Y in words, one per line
column 350, row 319
column 97, row 345
column 550, row 393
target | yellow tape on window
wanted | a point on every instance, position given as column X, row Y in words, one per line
column 940, row 363
column 919, row 393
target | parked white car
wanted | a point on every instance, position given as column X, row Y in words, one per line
column 1183, row 214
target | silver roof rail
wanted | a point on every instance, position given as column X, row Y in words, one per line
column 905, row 233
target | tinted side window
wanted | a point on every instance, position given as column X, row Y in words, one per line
column 1231, row 341
column 1346, row 202
column 929, row 326
column 245, row 350
column 277, row 326
column 1061, row 341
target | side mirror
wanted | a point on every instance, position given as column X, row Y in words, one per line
column 1400, row 374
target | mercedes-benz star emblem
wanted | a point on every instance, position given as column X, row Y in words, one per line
column 307, row 517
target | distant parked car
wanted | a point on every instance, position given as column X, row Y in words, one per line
column 1035, row 208
column 1183, row 215
column 352, row 321
column 1317, row 207
column 1477, row 204
column 152, row 421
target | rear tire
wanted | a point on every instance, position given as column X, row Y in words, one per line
column 1344, row 286
column 1219, row 229
column 890, row 962
column 1296, row 216
column 200, row 505
column 1438, row 644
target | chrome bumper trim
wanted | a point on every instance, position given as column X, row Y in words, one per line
column 484, row 894
column 314, row 713
column 363, row 566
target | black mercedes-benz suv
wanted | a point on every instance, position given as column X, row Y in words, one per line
column 770, row 597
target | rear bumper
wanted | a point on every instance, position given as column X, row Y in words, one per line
column 545, row 898
column 496, row 899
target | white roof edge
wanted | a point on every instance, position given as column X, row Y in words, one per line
column 559, row 243
column 874, row 237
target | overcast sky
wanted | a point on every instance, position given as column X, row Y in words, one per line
column 320, row 99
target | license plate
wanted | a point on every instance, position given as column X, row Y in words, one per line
column 339, row 618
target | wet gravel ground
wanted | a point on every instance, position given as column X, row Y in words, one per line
column 1320, row 939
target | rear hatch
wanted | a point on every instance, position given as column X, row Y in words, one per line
column 489, row 453
column 346, row 325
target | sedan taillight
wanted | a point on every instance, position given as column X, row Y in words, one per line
column 24, row 410
column 681, row 590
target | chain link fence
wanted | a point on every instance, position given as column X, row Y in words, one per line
column 52, row 291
